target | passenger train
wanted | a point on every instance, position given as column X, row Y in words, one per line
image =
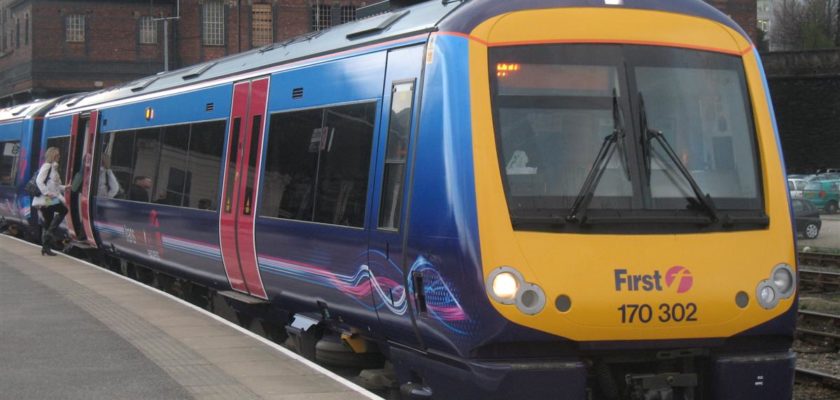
column 532, row 199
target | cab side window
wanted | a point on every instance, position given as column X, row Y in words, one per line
column 9, row 162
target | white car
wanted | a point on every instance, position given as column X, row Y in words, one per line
column 795, row 186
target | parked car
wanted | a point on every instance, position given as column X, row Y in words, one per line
column 824, row 194
column 796, row 186
column 807, row 218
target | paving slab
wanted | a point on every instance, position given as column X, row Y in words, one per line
column 71, row 330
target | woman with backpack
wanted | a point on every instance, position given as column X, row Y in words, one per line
column 51, row 200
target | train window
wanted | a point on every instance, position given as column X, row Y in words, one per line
column 9, row 162
column 207, row 140
column 146, row 161
column 556, row 107
column 172, row 177
column 291, row 165
column 318, row 164
column 177, row 165
column 344, row 164
column 395, row 157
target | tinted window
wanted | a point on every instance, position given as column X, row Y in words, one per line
column 318, row 163
column 63, row 145
column 177, row 165
column 172, row 174
column 204, row 165
column 9, row 163
column 395, row 156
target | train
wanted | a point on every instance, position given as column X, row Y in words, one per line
column 532, row 199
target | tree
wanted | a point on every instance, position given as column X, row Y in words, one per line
column 805, row 24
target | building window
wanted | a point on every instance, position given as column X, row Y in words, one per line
column 17, row 33
column 213, row 23
column 148, row 30
column 348, row 14
column 261, row 25
column 75, row 25
column 26, row 30
column 321, row 17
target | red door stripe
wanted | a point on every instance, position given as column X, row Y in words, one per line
column 233, row 160
column 87, row 167
column 252, row 150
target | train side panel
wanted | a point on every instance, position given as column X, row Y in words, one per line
column 180, row 239
column 310, row 236
column 14, row 142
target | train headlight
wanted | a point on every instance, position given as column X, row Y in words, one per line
column 503, row 284
column 507, row 286
column 766, row 294
column 784, row 280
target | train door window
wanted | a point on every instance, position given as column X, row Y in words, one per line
column 291, row 165
column 318, row 164
column 249, row 174
column 395, row 155
column 9, row 162
column 344, row 163
column 146, row 162
column 62, row 143
column 172, row 171
column 204, row 164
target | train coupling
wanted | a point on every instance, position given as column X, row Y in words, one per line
column 658, row 386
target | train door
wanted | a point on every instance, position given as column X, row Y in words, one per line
column 78, row 174
column 388, row 217
column 241, row 177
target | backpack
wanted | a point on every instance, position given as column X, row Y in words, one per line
column 31, row 187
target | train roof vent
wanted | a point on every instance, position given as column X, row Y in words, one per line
column 75, row 100
column 297, row 93
column 20, row 109
column 197, row 71
column 144, row 84
column 373, row 27
column 209, row 107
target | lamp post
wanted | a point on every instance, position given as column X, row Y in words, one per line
column 166, row 32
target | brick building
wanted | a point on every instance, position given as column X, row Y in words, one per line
column 54, row 47
column 743, row 12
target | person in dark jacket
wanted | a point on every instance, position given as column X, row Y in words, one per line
column 139, row 191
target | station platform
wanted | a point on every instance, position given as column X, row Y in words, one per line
column 72, row 330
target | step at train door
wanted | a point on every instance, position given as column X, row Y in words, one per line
column 241, row 177
column 80, row 163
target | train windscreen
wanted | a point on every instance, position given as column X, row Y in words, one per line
column 623, row 131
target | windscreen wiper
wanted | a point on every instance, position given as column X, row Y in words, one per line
column 648, row 136
column 612, row 141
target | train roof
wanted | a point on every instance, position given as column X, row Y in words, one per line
column 447, row 15
column 24, row 111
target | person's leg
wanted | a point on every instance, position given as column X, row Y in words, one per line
column 47, row 214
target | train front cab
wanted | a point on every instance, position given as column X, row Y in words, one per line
column 662, row 290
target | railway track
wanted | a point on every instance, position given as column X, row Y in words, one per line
column 821, row 328
column 819, row 271
column 819, row 259
column 822, row 377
